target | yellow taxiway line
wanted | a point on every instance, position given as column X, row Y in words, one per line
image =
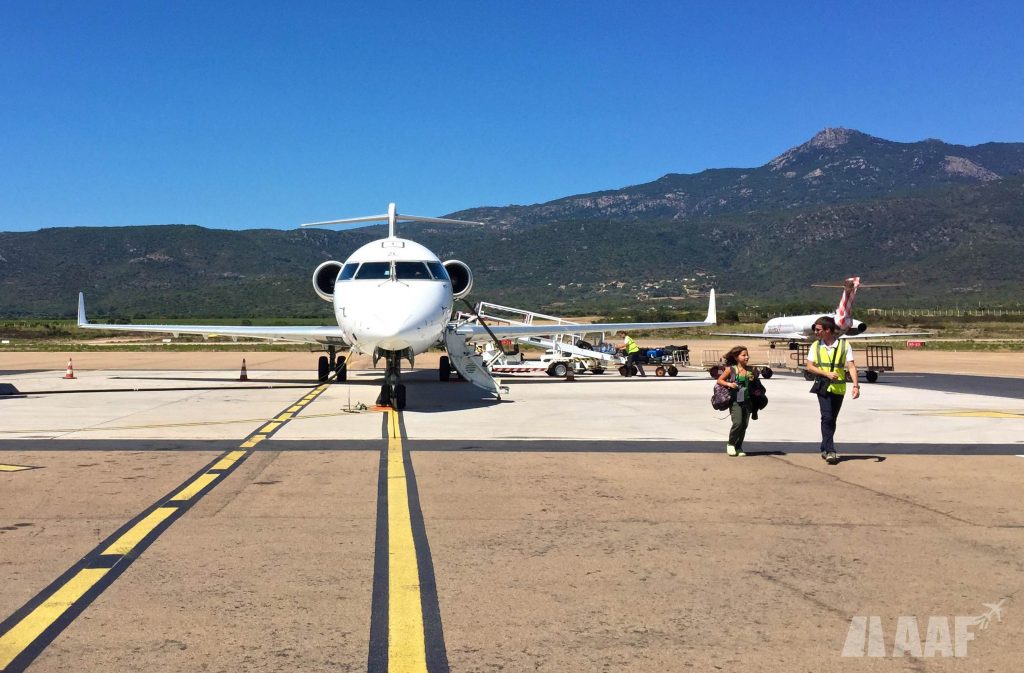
column 406, row 640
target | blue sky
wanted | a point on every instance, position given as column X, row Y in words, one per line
column 256, row 114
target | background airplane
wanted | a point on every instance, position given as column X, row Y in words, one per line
column 797, row 328
column 393, row 299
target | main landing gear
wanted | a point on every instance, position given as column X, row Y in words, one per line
column 392, row 391
column 331, row 363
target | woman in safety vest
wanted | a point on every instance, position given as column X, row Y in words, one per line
column 832, row 359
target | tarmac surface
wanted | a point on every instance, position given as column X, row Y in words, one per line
column 176, row 518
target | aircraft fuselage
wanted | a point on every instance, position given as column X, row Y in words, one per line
column 393, row 295
column 803, row 324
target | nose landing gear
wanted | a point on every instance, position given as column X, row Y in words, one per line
column 392, row 391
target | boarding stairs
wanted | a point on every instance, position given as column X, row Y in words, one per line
column 468, row 362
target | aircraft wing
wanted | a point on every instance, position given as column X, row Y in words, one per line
column 788, row 336
column 510, row 331
column 299, row 334
column 470, row 330
column 800, row 336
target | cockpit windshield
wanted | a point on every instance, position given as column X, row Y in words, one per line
column 411, row 271
column 396, row 270
column 348, row 272
column 374, row 271
column 438, row 271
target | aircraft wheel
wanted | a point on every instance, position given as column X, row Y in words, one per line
column 323, row 368
column 444, row 368
column 871, row 375
column 384, row 399
column 660, row 371
column 767, row 372
column 673, row 370
column 399, row 401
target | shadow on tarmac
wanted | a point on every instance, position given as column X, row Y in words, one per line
column 310, row 381
column 877, row 459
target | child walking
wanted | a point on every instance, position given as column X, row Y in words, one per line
column 738, row 378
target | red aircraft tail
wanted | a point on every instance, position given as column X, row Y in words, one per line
column 845, row 308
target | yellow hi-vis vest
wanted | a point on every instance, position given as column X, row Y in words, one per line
column 821, row 360
column 631, row 346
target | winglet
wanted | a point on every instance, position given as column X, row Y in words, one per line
column 712, row 317
column 82, row 322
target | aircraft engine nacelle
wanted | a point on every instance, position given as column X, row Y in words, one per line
column 462, row 277
column 324, row 278
column 857, row 327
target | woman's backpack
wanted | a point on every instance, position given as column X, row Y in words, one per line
column 721, row 398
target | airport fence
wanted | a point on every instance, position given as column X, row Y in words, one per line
column 755, row 316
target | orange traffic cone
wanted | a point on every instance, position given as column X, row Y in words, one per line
column 244, row 376
column 70, row 374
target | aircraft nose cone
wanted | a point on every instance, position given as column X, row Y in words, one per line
column 395, row 331
column 396, row 316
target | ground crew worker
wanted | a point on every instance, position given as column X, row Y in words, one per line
column 632, row 351
column 832, row 359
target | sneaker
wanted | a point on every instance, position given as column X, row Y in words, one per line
column 730, row 449
column 740, row 454
column 831, row 458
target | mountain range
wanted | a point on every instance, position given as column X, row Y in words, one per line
column 946, row 220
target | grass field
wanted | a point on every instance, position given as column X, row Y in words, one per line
column 969, row 334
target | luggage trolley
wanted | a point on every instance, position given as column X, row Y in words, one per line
column 876, row 359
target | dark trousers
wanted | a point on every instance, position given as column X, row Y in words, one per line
column 740, row 419
column 830, row 405
column 633, row 359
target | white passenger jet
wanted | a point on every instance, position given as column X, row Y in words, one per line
column 393, row 299
column 799, row 328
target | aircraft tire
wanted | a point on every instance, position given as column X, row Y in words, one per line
column 399, row 401
column 323, row 368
